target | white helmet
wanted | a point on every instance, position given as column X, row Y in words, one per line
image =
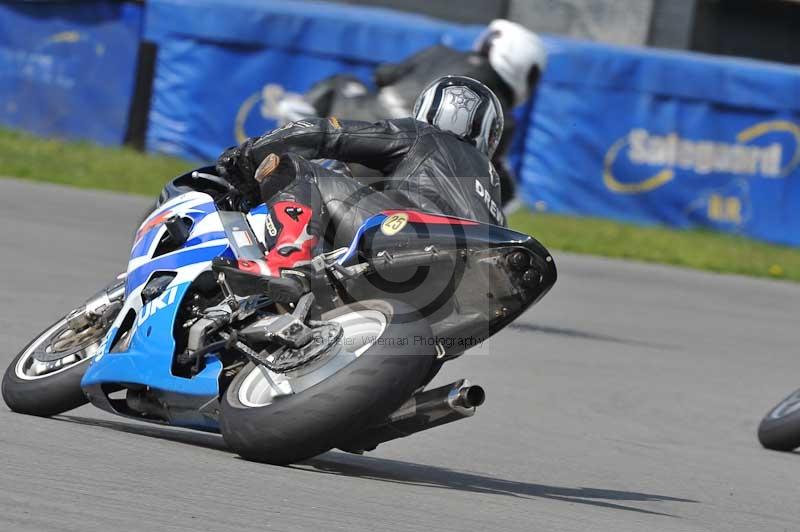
column 514, row 52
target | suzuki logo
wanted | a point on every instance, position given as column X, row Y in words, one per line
column 160, row 303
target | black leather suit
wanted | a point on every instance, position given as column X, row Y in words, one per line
column 424, row 168
column 401, row 83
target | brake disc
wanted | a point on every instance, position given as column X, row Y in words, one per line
column 65, row 342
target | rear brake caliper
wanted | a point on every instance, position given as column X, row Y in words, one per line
column 294, row 343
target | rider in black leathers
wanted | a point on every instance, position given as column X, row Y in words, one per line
column 507, row 58
column 443, row 166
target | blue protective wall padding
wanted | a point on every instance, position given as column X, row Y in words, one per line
column 67, row 68
column 222, row 66
column 670, row 138
column 638, row 135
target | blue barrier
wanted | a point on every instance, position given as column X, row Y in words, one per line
column 222, row 66
column 676, row 139
column 67, row 69
column 642, row 136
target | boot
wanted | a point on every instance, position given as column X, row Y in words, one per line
column 293, row 225
column 293, row 229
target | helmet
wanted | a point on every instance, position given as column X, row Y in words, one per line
column 515, row 53
column 464, row 107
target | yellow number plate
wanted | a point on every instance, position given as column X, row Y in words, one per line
column 394, row 224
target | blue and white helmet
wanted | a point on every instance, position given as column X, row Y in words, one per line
column 465, row 107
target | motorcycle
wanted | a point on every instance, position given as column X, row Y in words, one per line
column 188, row 337
column 779, row 430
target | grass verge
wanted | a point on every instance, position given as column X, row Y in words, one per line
column 123, row 169
column 86, row 165
column 698, row 249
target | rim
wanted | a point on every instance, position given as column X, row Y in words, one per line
column 790, row 405
column 28, row 368
column 360, row 331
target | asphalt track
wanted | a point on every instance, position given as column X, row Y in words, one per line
column 626, row 401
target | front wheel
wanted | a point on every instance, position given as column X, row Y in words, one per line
column 44, row 379
column 780, row 428
column 381, row 359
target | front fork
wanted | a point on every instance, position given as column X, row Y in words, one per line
column 101, row 308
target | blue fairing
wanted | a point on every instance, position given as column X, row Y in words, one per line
column 369, row 224
column 145, row 240
column 149, row 359
column 173, row 261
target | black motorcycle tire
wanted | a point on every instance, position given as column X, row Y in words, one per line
column 361, row 394
column 781, row 432
column 47, row 396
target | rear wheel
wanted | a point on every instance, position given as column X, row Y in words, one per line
column 780, row 428
column 373, row 369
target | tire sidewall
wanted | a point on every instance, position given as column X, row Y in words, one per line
column 361, row 394
column 47, row 396
column 783, row 433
